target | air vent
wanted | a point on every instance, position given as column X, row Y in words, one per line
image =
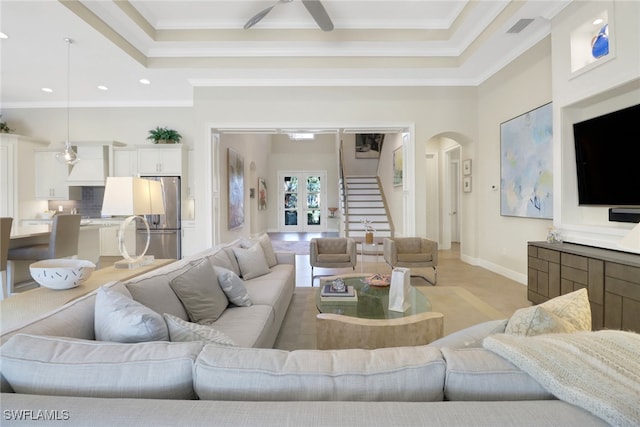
column 519, row 26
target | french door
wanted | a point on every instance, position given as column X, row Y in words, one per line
column 302, row 196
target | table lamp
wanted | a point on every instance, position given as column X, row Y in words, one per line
column 134, row 197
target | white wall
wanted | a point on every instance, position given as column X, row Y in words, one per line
column 319, row 154
column 520, row 87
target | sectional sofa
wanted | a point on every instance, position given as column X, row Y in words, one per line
column 224, row 372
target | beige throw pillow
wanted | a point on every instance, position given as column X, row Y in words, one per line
column 119, row 318
column 252, row 261
column 200, row 293
column 567, row 313
column 183, row 331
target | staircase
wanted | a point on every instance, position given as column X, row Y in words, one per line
column 364, row 200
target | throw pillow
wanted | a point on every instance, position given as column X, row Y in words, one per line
column 267, row 248
column 200, row 292
column 537, row 320
column 252, row 261
column 119, row 318
column 233, row 287
column 567, row 313
column 183, row 331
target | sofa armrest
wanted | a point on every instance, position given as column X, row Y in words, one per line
column 430, row 247
column 286, row 257
column 390, row 251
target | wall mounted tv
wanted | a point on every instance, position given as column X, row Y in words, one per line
column 608, row 159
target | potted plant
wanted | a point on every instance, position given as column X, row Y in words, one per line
column 164, row 136
column 4, row 127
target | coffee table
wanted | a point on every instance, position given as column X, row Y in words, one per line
column 368, row 323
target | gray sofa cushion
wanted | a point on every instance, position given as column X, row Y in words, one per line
column 479, row 374
column 471, row 336
column 155, row 293
column 200, row 293
column 388, row 374
column 70, row 367
column 248, row 326
column 232, row 286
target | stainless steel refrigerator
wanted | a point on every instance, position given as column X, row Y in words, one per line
column 165, row 241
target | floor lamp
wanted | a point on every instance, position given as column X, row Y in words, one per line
column 134, row 197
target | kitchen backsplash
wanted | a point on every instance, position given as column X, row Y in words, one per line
column 90, row 205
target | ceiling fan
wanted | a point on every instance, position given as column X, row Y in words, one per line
column 315, row 8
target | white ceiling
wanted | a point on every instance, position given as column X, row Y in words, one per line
column 179, row 45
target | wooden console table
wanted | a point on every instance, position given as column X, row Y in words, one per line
column 25, row 306
column 611, row 277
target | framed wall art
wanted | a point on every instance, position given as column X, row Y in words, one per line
column 369, row 145
column 235, row 176
column 466, row 184
column 466, row 167
column 397, row 166
column 262, row 194
column 526, row 164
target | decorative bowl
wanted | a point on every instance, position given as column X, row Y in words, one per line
column 61, row 273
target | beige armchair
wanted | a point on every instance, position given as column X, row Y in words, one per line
column 412, row 252
column 332, row 252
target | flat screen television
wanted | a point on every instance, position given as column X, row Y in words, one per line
column 608, row 159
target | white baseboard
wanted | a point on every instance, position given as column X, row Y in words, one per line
column 495, row 268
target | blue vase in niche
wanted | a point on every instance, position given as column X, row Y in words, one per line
column 600, row 43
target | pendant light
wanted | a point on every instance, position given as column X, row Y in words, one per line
column 68, row 156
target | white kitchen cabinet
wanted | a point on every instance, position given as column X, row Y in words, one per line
column 189, row 238
column 109, row 240
column 191, row 184
column 17, row 187
column 88, row 243
column 51, row 178
column 125, row 162
column 160, row 160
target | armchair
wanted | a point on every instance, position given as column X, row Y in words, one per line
column 412, row 252
column 332, row 252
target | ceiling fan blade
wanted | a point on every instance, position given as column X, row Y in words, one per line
column 258, row 16
column 319, row 14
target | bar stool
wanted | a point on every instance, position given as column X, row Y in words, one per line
column 5, row 236
column 63, row 242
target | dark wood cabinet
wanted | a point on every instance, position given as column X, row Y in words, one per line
column 611, row 277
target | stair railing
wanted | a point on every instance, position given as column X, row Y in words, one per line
column 386, row 207
column 342, row 191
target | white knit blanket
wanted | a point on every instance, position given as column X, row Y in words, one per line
column 597, row 371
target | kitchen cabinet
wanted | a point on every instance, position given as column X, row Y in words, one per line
column 161, row 160
column 125, row 162
column 189, row 238
column 109, row 235
column 17, row 186
column 191, row 184
column 51, row 178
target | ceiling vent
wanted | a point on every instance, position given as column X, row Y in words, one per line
column 519, row 26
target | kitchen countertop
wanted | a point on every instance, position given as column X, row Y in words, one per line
column 83, row 222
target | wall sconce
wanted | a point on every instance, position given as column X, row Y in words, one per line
column 332, row 212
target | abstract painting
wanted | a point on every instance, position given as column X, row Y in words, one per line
column 369, row 145
column 397, row 166
column 236, row 189
column 262, row 194
column 526, row 164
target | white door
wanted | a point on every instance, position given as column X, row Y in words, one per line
column 302, row 195
column 454, row 172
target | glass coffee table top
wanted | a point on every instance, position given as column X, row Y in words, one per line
column 373, row 301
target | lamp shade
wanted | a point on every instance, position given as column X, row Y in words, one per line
column 132, row 196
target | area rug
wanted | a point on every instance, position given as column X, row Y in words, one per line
column 298, row 247
column 460, row 307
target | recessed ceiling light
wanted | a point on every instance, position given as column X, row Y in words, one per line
column 145, row 81
column 598, row 21
column 3, row 35
column 47, row 89
column 101, row 87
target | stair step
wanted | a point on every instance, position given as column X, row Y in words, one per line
column 362, row 191
column 366, row 204
column 376, row 234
